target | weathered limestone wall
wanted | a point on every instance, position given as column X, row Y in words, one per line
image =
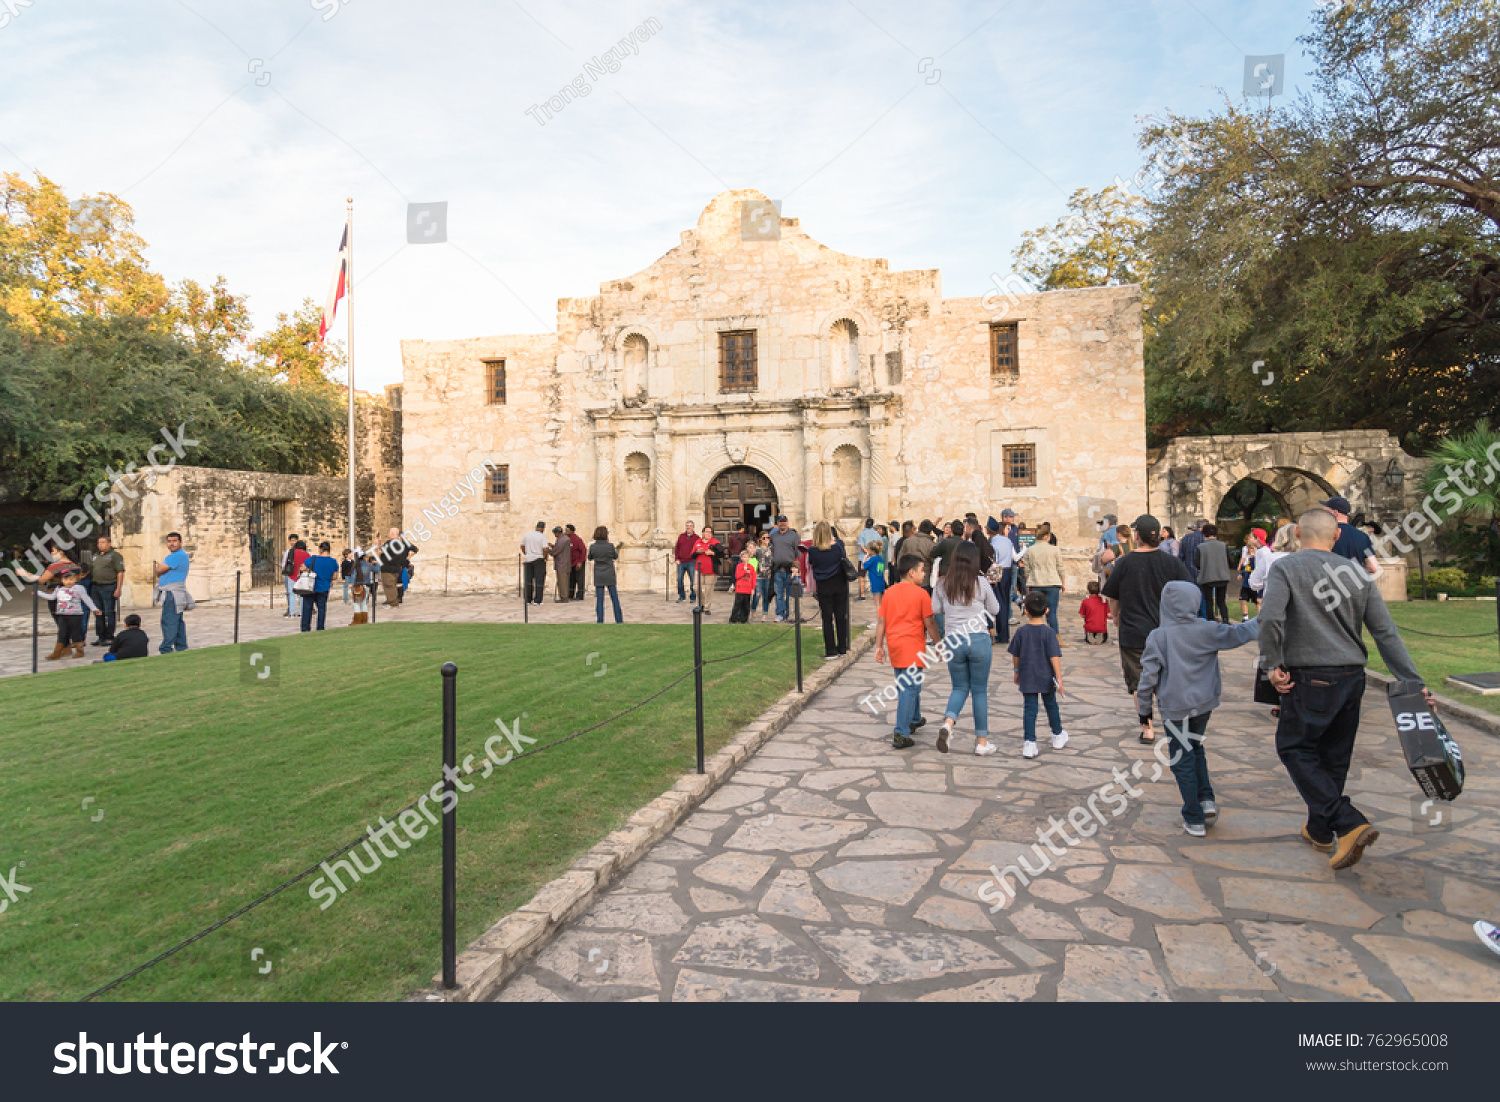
column 873, row 396
column 211, row 508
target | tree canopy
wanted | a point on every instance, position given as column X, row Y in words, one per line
column 98, row 354
column 1331, row 263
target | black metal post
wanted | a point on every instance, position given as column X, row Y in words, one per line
column 236, row 606
column 797, row 625
column 36, row 615
column 698, row 676
column 525, row 608
column 450, row 875
column 373, row 591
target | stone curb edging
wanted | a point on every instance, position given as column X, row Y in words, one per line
column 1475, row 717
column 507, row 945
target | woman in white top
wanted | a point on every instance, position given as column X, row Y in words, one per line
column 963, row 599
column 1284, row 544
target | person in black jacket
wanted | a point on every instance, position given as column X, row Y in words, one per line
column 132, row 642
column 826, row 560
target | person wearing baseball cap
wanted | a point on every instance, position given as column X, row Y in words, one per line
column 1353, row 543
column 1255, row 542
column 1133, row 590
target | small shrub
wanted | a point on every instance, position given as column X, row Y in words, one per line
column 1441, row 579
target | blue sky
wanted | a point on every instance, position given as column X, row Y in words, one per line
column 932, row 134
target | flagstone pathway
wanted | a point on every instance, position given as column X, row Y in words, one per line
column 832, row 867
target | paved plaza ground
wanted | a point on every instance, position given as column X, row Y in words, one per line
column 832, row 867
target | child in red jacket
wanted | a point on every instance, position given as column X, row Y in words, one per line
column 744, row 588
column 1095, row 615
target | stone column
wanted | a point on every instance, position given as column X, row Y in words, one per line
column 604, row 479
column 661, row 475
column 878, row 493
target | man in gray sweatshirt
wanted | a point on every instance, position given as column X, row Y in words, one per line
column 1311, row 647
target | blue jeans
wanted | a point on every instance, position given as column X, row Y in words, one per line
column 908, row 697
column 290, row 595
column 614, row 596
column 310, row 601
column 970, row 670
column 173, row 626
column 1029, row 710
column 1053, row 593
column 1002, row 594
column 781, row 581
column 690, row 571
column 1190, row 765
column 762, row 594
column 104, row 597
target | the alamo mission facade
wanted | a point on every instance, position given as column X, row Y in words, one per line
column 752, row 369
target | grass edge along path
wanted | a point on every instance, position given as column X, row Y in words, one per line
column 214, row 790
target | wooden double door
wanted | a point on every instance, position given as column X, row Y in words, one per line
column 740, row 495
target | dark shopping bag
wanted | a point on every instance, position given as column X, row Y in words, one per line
column 1265, row 692
column 1431, row 754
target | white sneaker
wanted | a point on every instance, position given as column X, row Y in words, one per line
column 1059, row 740
column 985, row 749
column 1210, row 811
column 1489, row 934
column 1195, row 829
column 1029, row 749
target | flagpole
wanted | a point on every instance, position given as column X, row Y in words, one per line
column 349, row 319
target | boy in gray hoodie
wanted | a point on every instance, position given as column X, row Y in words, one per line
column 1180, row 666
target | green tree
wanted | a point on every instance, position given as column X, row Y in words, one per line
column 1464, row 470
column 1336, row 263
column 1099, row 243
column 210, row 319
column 61, row 259
column 291, row 351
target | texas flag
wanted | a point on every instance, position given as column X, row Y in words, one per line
column 337, row 290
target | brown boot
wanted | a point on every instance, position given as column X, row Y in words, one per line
column 57, row 652
column 78, row 651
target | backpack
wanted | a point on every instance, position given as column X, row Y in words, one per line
column 286, row 561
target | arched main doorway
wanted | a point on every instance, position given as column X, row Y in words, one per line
column 740, row 495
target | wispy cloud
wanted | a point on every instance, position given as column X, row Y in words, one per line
column 241, row 168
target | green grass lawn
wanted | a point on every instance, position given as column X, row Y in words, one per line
column 1439, row 654
column 214, row 790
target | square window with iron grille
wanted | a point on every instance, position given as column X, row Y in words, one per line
column 737, row 360
column 495, row 370
column 1020, row 464
column 1004, row 362
column 497, row 482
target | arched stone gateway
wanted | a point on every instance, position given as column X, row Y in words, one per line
column 1205, row 476
column 740, row 495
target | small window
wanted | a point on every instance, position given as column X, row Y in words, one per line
column 893, row 366
column 495, row 370
column 737, row 360
column 497, row 485
column 1003, row 362
column 1020, row 464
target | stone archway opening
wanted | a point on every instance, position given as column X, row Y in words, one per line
column 740, row 495
column 1263, row 498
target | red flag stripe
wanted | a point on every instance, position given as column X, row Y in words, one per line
column 337, row 290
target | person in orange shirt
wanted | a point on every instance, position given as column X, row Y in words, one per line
column 903, row 628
